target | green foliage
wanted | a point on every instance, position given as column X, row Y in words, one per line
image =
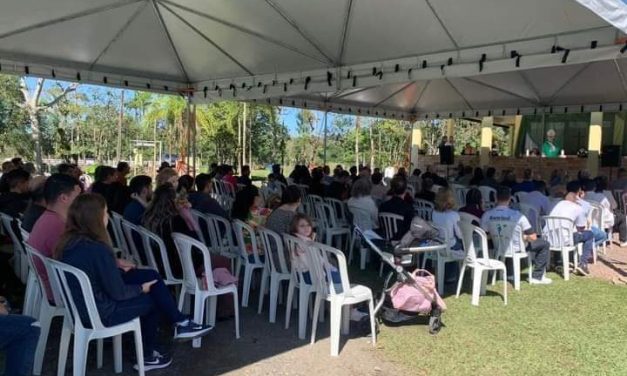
column 14, row 136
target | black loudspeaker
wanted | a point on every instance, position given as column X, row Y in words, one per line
column 446, row 155
column 610, row 156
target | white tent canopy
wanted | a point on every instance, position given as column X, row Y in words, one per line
column 395, row 58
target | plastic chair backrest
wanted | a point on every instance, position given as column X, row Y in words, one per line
column 506, row 237
column 421, row 203
column 131, row 233
column 467, row 229
column 120, row 240
column 319, row 260
column 533, row 215
column 149, row 240
column 460, row 194
column 390, row 223
column 184, row 245
column 7, row 225
column 618, row 197
column 223, row 231
column 488, row 193
column 518, row 196
column 340, row 209
column 202, row 225
column 558, row 231
column 595, row 216
column 241, row 230
column 37, row 264
column 469, row 218
column 275, row 253
column 292, row 245
column 78, row 295
column 25, row 234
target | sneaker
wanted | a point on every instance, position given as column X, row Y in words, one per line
column 623, row 244
column 583, row 269
column 541, row 281
column 189, row 329
column 357, row 315
column 156, row 361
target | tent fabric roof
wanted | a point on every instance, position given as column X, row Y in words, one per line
column 393, row 58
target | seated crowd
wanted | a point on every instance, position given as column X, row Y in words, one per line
column 69, row 221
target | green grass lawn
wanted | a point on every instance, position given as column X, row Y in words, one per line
column 577, row 327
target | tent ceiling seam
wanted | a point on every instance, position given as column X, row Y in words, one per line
column 345, row 29
column 437, row 17
column 531, row 86
column 566, row 83
column 504, row 91
column 69, row 17
column 155, row 7
column 242, row 29
column 349, row 93
column 459, row 93
column 118, row 34
column 300, row 31
column 424, row 88
column 622, row 77
column 209, row 40
column 393, row 94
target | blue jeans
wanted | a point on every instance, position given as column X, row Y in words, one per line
column 148, row 307
column 587, row 238
column 599, row 235
column 18, row 339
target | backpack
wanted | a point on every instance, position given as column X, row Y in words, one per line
column 419, row 231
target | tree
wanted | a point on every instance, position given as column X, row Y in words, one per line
column 33, row 107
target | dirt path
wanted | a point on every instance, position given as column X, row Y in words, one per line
column 263, row 349
column 611, row 265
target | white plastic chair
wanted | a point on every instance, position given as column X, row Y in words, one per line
column 479, row 265
column 328, row 223
column 360, row 218
column 243, row 230
column 469, row 218
column 46, row 310
column 220, row 236
column 341, row 210
column 279, row 268
column 292, row 243
column 507, row 238
column 559, row 232
column 518, row 197
column 319, row 255
column 118, row 234
column 533, row 215
column 20, row 263
column 32, row 294
column 424, row 209
column 150, row 240
column 442, row 257
column 130, row 234
column 390, row 222
column 488, row 193
column 193, row 285
column 84, row 332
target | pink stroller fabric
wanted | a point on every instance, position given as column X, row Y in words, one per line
column 417, row 295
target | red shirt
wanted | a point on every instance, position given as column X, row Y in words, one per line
column 44, row 237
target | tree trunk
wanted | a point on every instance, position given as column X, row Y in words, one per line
column 244, row 133
column 357, row 124
column 118, row 150
column 239, row 143
column 371, row 145
column 36, row 135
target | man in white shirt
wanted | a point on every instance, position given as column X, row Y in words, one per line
column 588, row 185
column 595, row 193
column 539, row 247
column 569, row 208
column 537, row 200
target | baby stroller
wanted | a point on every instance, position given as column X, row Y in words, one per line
column 407, row 297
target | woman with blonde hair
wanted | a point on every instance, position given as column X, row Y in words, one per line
column 447, row 219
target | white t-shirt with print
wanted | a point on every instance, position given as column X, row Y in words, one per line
column 506, row 214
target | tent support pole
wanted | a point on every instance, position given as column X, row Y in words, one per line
column 324, row 162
